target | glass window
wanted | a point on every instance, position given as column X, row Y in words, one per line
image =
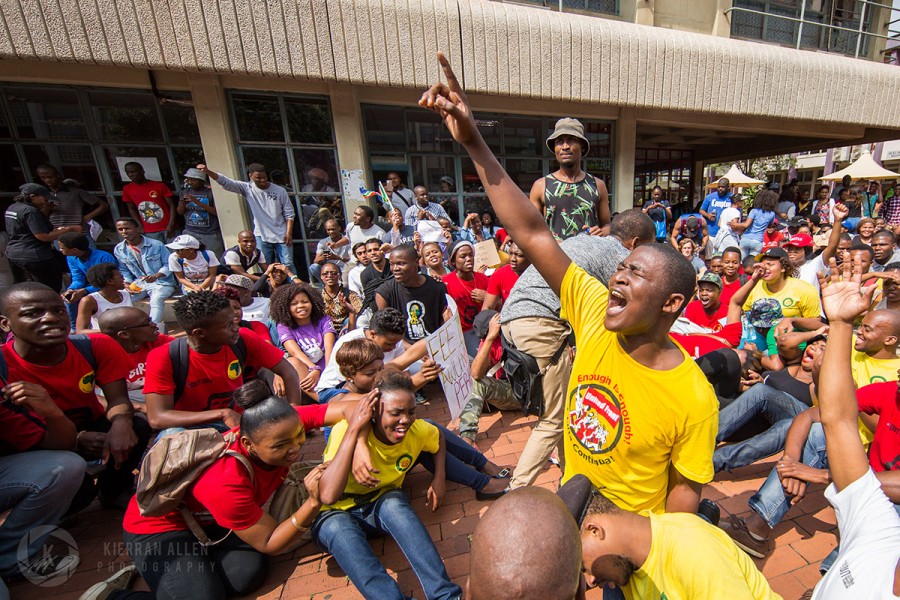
column 123, row 116
column 492, row 132
column 185, row 158
column 524, row 171
column 46, row 113
column 181, row 122
column 273, row 159
column 429, row 170
column 426, row 133
column 309, row 121
column 317, row 170
column 11, row 175
column 258, row 119
column 523, row 136
column 74, row 162
column 384, row 130
column 117, row 154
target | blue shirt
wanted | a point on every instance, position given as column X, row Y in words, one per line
column 761, row 220
column 78, row 268
column 714, row 204
column 152, row 259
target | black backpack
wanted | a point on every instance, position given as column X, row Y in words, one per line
column 179, row 354
column 525, row 377
column 81, row 342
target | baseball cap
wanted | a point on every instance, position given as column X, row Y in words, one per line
column 772, row 253
column 796, row 222
column 576, row 494
column 692, row 223
column 241, row 281
column 800, row 240
column 482, row 323
column 710, row 277
column 34, row 188
column 184, row 242
column 765, row 313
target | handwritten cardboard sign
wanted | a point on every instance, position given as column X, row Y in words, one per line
column 486, row 254
column 448, row 349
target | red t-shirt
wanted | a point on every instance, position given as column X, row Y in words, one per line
column 211, row 378
column 698, row 345
column 772, row 241
column 461, row 292
column 150, row 199
column 883, row 399
column 496, row 356
column 695, row 314
column 502, row 281
column 225, row 490
column 71, row 382
column 728, row 290
column 138, row 360
column 20, row 429
column 260, row 329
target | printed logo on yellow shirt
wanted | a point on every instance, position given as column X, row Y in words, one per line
column 86, row 384
column 404, row 463
column 234, row 370
column 598, row 418
column 877, row 379
column 787, row 302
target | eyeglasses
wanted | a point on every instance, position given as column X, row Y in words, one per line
column 147, row 324
column 330, row 274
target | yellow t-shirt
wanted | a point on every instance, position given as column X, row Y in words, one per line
column 626, row 423
column 868, row 370
column 797, row 298
column 393, row 461
column 690, row 559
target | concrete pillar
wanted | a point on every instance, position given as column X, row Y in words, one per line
column 349, row 134
column 625, row 140
column 216, row 135
column 699, row 178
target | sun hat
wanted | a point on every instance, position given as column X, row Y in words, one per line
column 569, row 126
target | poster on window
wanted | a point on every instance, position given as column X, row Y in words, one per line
column 448, row 349
column 354, row 186
column 150, row 164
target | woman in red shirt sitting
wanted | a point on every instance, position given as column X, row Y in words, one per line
column 467, row 288
column 168, row 556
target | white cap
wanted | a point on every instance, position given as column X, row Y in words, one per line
column 184, row 242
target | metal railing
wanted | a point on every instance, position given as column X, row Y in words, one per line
column 860, row 31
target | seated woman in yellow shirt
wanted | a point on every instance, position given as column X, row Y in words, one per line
column 353, row 511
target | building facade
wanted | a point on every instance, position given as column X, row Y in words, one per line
column 308, row 84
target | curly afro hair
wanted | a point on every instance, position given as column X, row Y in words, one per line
column 280, row 303
column 197, row 308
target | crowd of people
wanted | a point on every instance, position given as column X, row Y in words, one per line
column 653, row 351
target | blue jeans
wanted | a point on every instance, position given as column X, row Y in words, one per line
column 778, row 408
column 343, row 533
column 159, row 236
column 750, row 247
column 277, row 252
column 157, row 293
column 314, row 273
column 463, row 461
column 771, row 502
column 38, row 486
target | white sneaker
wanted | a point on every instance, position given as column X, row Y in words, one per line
column 118, row 582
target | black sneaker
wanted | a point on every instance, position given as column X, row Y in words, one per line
column 53, row 561
column 421, row 398
column 709, row 510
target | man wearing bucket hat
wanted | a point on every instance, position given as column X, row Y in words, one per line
column 198, row 208
column 571, row 200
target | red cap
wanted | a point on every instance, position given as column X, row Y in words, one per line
column 800, row 240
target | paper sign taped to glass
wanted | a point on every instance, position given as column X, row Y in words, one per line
column 448, row 349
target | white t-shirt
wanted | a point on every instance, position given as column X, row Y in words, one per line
column 357, row 234
column 331, row 376
column 354, row 280
column 726, row 237
column 195, row 269
column 258, row 310
column 787, row 207
column 809, row 271
column 870, row 543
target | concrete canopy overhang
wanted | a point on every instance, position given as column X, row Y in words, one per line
column 504, row 50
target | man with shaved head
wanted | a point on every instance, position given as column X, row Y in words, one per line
column 509, row 560
column 246, row 258
column 875, row 348
column 132, row 329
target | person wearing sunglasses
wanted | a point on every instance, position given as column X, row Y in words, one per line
column 132, row 329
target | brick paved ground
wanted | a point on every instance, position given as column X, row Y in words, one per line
column 801, row 542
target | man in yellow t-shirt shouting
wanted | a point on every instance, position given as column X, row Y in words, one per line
column 641, row 419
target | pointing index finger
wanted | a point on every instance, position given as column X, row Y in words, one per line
column 452, row 81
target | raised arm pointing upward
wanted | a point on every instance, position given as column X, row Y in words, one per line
column 620, row 402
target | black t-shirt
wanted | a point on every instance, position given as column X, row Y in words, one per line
column 22, row 222
column 423, row 306
column 370, row 279
column 783, row 382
